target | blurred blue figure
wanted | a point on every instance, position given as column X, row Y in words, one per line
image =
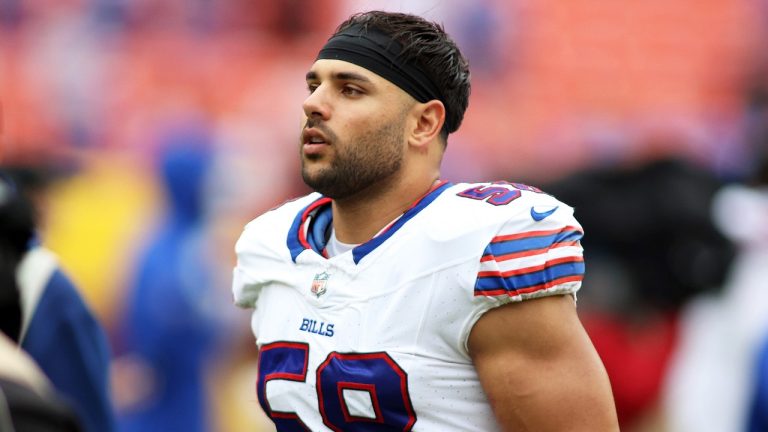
column 29, row 402
column 62, row 335
column 758, row 417
column 169, row 329
column 58, row 329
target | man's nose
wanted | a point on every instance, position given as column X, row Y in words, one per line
column 315, row 105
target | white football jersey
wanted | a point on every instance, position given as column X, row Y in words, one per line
column 375, row 339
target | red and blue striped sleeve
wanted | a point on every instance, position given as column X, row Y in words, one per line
column 532, row 263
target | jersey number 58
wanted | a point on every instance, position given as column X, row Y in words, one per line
column 340, row 378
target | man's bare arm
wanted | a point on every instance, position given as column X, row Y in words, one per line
column 539, row 369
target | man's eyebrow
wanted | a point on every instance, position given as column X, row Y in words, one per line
column 341, row 76
column 351, row 76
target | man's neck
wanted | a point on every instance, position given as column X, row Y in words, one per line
column 358, row 219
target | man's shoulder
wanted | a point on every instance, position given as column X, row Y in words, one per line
column 287, row 210
column 278, row 218
column 498, row 202
column 267, row 233
column 467, row 217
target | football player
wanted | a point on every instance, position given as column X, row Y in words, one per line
column 390, row 299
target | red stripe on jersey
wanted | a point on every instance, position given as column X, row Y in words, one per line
column 532, row 269
column 531, row 252
column 530, row 289
column 414, row 204
column 527, row 234
column 302, row 236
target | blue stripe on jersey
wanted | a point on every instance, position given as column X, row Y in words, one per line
column 527, row 280
column 294, row 244
column 314, row 238
column 364, row 249
column 320, row 227
column 294, row 240
column 505, row 247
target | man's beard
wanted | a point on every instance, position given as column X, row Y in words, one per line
column 374, row 157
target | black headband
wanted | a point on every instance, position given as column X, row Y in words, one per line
column 380, row 54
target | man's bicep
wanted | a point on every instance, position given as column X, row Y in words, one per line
column 539, row 368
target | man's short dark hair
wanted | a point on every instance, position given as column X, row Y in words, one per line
column 427, row 45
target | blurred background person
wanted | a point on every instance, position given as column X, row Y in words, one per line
column 651, row 246
column 173, row 324
column 58, row 329
column 757, row 419
column 29, row 401
column 720, row 365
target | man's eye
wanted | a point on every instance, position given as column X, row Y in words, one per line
column 351, row 91
column 312, row 87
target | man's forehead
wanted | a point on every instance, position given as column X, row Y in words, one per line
column 326, row 68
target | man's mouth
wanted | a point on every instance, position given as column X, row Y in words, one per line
column 314, row 142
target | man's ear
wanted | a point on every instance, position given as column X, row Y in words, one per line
column 429, row 118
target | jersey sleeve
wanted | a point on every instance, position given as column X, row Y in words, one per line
column 256, row 261
column 262, row 254
column 247, row 280
column 532, row 250
column 533, row 255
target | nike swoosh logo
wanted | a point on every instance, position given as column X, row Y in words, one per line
column 540, row 216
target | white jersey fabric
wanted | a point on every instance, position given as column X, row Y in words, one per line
column 375, row 339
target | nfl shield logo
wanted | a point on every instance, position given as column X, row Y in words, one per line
column 319, row 283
